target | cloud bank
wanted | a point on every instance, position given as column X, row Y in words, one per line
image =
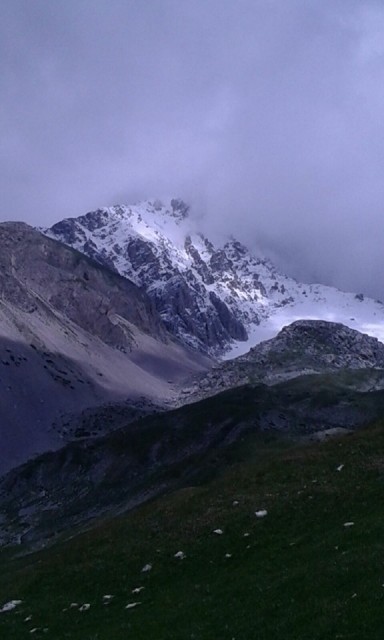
column 267, row 115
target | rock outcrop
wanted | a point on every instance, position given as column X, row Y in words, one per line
column 302, row 348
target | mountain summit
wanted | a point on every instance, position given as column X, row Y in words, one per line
column 217, row 298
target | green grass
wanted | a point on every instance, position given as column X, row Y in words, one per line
column 300, row 574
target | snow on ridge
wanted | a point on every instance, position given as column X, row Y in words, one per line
column 155, row 242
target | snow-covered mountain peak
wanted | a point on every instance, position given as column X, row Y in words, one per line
column 158, row 214
column 149, row 219
column 218, row 297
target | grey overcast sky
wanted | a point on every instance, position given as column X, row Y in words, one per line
column 267, row 115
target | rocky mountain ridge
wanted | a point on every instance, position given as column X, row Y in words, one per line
column 36, row 273
column 73, row 335
column 217, row 297
column 303, row 348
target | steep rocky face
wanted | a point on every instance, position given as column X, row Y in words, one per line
column 217, row 298
column 35, row 271
column 74, row 335
column 157, row 256
column 304, row 347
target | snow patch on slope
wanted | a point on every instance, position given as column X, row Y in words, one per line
column 332, row 305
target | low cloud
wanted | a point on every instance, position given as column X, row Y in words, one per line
column 266, row 115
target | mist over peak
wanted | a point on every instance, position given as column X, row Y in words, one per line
column 266, row 118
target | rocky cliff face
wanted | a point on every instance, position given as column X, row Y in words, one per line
column 147, row 245
column 36, row 272
column 73, row 335
column 217, row 298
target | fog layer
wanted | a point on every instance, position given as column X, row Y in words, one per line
column 267, row 115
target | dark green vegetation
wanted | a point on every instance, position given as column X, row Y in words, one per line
column 110, row 475
column 162, row 452
column 299, row 574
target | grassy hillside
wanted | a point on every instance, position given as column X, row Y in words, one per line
column 115, row 473
column 299, row 573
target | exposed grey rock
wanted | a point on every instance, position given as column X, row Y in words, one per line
column 36, row 271
column 320, row 345
column 74, row 335
column 303, row 347
column 197, row 316
column 234, row 328
column 200, row 265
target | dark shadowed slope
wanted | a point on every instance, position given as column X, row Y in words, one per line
column 112, row 474
column 297, row 573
